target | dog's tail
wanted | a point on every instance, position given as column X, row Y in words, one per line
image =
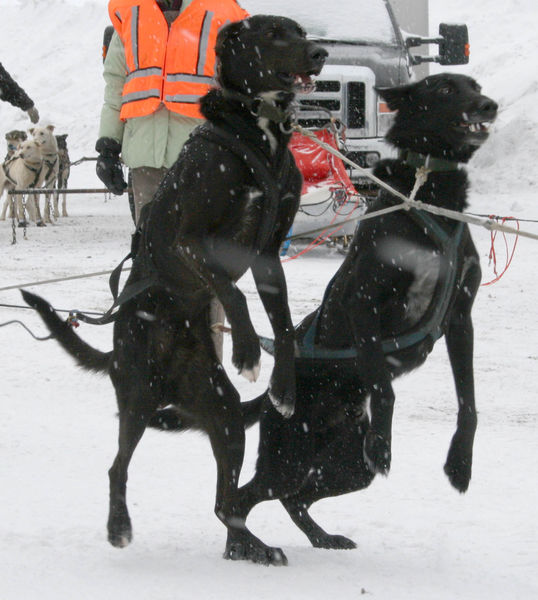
column 87, row 357
column 174, row 419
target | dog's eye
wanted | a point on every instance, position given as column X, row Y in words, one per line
column 445, row 90
column 271, row 34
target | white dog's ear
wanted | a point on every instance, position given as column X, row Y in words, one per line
column 50, row 127
column 31, row 130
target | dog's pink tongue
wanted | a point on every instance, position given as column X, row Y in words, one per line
column 304, row 83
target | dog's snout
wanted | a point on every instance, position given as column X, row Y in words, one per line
column 317, row 54
column 488, row 107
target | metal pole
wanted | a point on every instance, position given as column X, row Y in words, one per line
column 60, row 191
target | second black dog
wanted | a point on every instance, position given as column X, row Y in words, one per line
column 408, row 279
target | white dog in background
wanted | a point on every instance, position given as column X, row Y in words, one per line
column 45, row 139
column 21, row 171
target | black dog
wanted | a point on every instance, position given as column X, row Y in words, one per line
column 408, row 279
column 224, row 207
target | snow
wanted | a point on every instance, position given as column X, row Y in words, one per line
column 417, row 538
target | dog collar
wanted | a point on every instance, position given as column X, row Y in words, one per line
column 417, row 160
column 259, row 107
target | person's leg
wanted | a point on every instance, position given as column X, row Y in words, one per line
column 216, row 322
column 145, row 180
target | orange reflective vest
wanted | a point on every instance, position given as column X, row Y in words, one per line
column 174, row 66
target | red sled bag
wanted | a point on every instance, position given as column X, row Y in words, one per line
column 319, row 167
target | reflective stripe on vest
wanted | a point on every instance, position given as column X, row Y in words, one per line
column 163, row 65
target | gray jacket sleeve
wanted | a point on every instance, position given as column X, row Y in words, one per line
column 11, row 91
column 114, row 74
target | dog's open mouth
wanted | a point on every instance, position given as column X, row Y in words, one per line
column 299, row 82
column 476, row 130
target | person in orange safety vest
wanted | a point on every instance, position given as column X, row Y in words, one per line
column 160, row 61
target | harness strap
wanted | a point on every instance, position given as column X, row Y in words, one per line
column 431, row 327
column 265, row 179
column 417, row 160
column 129, row 292
column 259, row 168
column 6, row 171
column 259, row 107
column 50, row 164
column 37, row 174
column 36, row 170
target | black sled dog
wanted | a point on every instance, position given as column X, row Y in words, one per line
column 224, row 207
column 408, row 279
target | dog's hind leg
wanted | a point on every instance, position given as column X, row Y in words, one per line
column 223, row 421
column 297, row 508
column 136, row 409
column 33, row 202
column 339, row 468
column 7, row 202
column 459, row 342
column 56, row 197
column 47, row 208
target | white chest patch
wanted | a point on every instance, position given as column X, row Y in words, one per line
column 263, row 123
column 423, row 263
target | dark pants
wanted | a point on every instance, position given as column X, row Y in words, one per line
column 145, row 181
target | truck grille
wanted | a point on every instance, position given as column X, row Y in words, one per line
column 355, row 98
column 345, row 102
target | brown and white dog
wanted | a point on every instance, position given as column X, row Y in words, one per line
column 21, row 171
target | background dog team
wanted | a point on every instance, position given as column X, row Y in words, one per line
column 39, row 161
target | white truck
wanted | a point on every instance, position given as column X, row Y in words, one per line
column 367, row 49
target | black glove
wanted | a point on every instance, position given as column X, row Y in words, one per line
column 108, row 167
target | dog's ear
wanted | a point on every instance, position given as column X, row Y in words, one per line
column 50, row 127
column 31, row 130
column 226, row 34
column 394, row 96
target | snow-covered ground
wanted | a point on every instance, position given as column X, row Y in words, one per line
column 417, row 538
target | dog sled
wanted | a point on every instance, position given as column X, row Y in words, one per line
column 328, row 196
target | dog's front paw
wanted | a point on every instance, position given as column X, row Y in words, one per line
column 282, row 396
column 246, row 355
column 284, row 404
column 458, row 467
column 251, row 374
column 377, row 452
column 120, row 531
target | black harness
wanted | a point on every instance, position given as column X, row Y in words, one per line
column 270, row 182
column 430, row 327
column 50, row 164
column 36, row 170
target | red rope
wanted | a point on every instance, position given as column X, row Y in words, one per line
column 493, row 253
column 324, row 236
